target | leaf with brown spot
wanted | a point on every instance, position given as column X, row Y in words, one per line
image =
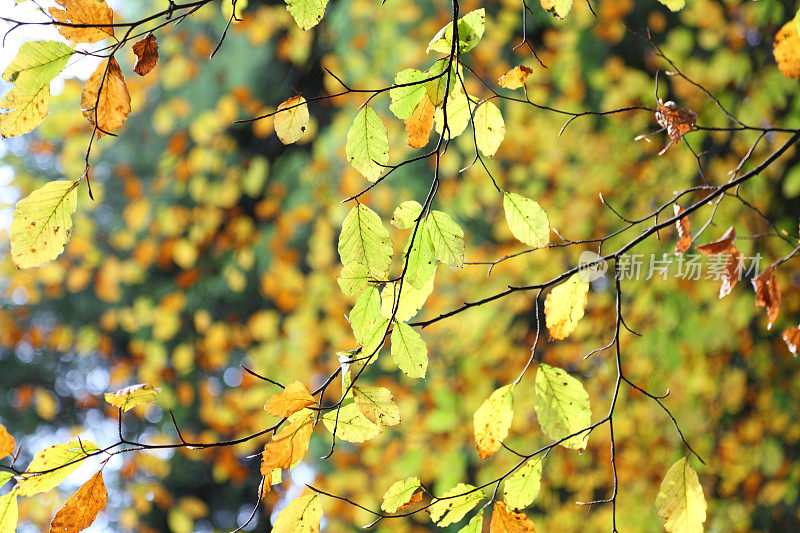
column 294, row 397
column 720, row 246
column 792, row 338
column 84, row 12
column 110, row 109
column 7, row 443
column 291, row 119
column 505, row 521
column 768, row 293
column 288, row 446
column 493, row 419
column 786, row 50
column 733, row 270
column 514, row 78
column 81, row 510
column 678, row 122
column 420, row 123
column 684, row 231
column 146, row 52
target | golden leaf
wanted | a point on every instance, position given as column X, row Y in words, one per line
column 565, row 305
column 288, row 446
column 146, row 52
column 786, row 50
column 129, row 397
column 505, row 521
column 81, row 510
column 26, row 109
column 294, row 397
column 84, row 12
column 7, row 443
column 111, row 107
column 514, row 78
column 420, row 123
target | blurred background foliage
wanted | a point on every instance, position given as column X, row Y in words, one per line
column 210, row 244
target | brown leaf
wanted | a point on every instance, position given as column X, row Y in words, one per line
column 514, row 78
column 293, row 398
column 792, row 338
column 786, row 50
column 768, row 293
column 684, row 231
column 113, row 105
column 81, row 510
column 505, row 521
column 84, row 12
column 733, row 269
column 7, row 443
column 677, row 122
column 146, row 52
column 720, row 246
column 288, row 446
column 420, row 123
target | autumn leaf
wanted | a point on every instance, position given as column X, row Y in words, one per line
column 514, row 78
column 447, row 237
column 302, row 515
column 146, row 52
column 350, row 424
column 25, row 110
column 129, row 397
column 562, row 406
column 493, row 419
column 684, row 231
column 490, row 129
column 505, row 521
column 470, row 30
column 81, row 510
column 409, row 351
column 7, row 443
column 678, row 122
column 377, row 404
column 680, row 501
column 420, row 123
column 527, row 220
column 111, row 107
column 367, row 146
column 9, row 512
column 733, row 269
column 400, row 494
column 792, row 338
column 294, row 397
column 523, row 486
column 288, row 446
column 84, row 14
column 768, row 293
column 407, row 92
column 565, row 305
column 786, row 50
column 353, row 279
column 52, row 465
column 306, row 13
column 291, row 119
column 454, row 504
column 364, row 239
column 721, row 245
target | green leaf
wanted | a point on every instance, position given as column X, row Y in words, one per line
column 454, row 504
column 674, row 5
column 447, row 237
column 302, row 515
column 522, row 487
column 366, row 309
column 421, row 258
column 680, row 501
column 37, row 63
column 367, row 146
column 353, row 278
column 470, row 30
column 9, row 512
column 409, row 351
column 562, row 8
column 406, row 214
column 526, row 220
column 5, row 476
column 475, row 525
column 306, row 13
column 493, row 419
column 411, row 299
column 399, row 494
column 489, row 128
column 43, row 223
column 26, row 110
column 439, row 88
column 352, row 425
column 64, row 458
column 377, row 404
column 374, row 338
column 405, row 99
column 562, row 406
column 458, row 113
column 365, row 240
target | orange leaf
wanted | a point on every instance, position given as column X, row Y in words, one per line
column 146, row 52
column 81, row 510
column 7, row 443
column 786, row 50
column 112, row 106
column 768, row 293
column 684, row 231
column 514, row 78
column 288, row 446
column 293, row 398
column 420, row 123
column 720, row 246
column 415, row 498
column 733, row 268
column 678, row 122
column 84, row 12
column 792, row 338
column 504, row 521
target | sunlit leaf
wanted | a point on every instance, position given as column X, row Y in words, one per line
column 527, row 220
column 470, row 30
column 146, row 52
column 25, row 110
column 459, row 111
column 302, row 515
column 421, row 258
column 366, row 309
column 353, row 279
column 562, row 406
column 674, row 5
column 367, row 146
column 350, row 424
column 454, row 504
column 505, row 521
column 290, row 444
column 7, row 443
column 785, row 49
column 105, row 99
column 89, row 20
column 377, row 404
column 37, row 63
column 364, row 239
column 374, row 337
column 399, row 494
column 294, row 397
column 680, row 501
column 439, row 87
column 405, row 99
column 129, row 397
column 768, row 293
column 420, row 123
column 684, row 230
column 475, row 525
column 82, row 508
column 447, row 237
column 291, row 119
column 43, row 223
column 721, row 245
column 409, row 351
column 792, row 338
column 522, row 487
column 52, row 465
column 307, row 13
column 565, row 305
column 514, row 78
column 411, row 299
column 490, row 129
column 493, row 419
column 9, row 512
column 406, row 214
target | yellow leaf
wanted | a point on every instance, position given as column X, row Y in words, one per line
column 377, row 404
column 505, row 521
column 294, row 397
column 680, row 501
column 111, row 107
column 7, row 443
column 81, row 510
column 9, row 512
column 43, row 223
column 129, row 397
column 564, row 306
column 490, row 129
column 52, row 465
column 26, row 109
column 302, row 515
column 514, row 78
column 420, row 123
column 84, row 12
column 288, row 446
column 291, row 119
column 492, row 420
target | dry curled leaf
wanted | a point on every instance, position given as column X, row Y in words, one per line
column 420, row 123
column 721, row 245
column 81, row 510
column 768, row 293
column 732, row 272
column 294, row 397
column 84, row 13
column 514, row 78
column 146, row 52
column 792, row 338
column 110, row 109
column 684, row 231
column 505, row 521
column 786, row 50
column 676, row 121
